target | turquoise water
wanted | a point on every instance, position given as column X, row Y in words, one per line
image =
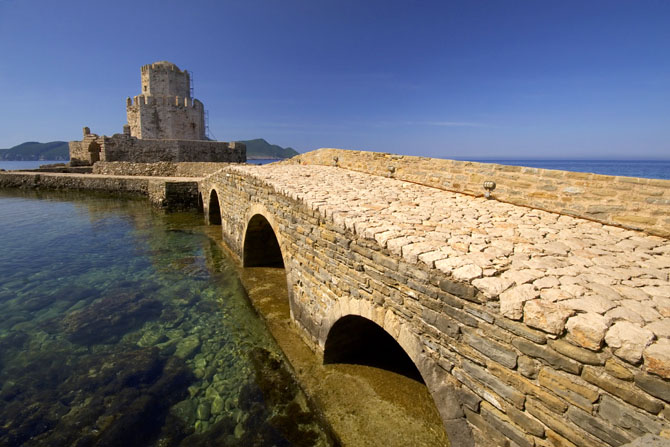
column 121, row 325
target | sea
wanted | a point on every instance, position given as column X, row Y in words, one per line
column 658, row 169
column 123, row 325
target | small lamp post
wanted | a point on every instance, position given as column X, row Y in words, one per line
column 489, row 186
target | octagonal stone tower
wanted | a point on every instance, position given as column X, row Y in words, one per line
column 165, row 109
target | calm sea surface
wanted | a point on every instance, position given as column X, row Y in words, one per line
column 630, row 168
column 121, row 325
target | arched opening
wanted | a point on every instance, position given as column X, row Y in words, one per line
column 201, row 205
column 94, row 152
column 214, row 209
column 359, row 341
column 261, row 248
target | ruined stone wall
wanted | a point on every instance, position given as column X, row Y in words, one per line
column 159, row 169
column 635, row 203
column 495, row 381
column 78, row 154
column 166, row 117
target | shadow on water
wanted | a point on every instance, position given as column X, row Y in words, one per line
column 124, row 325
column 369, row 399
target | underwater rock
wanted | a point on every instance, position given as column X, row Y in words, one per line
column 187, row 347
column 106, row 320
column 99, row 400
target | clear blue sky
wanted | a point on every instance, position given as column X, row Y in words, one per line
column 540, row 79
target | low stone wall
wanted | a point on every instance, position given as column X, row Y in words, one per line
column 635, row 203
column 495, row 381
column 160, row 169
column 123, row 147
column 161, row 192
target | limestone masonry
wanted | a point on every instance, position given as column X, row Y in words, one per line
column 529, row 327
column 164, row 124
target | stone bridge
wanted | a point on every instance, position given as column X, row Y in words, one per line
column 528, row 327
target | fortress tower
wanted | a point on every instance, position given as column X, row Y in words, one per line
column 165, row 109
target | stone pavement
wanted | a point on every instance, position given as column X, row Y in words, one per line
column 598, row 285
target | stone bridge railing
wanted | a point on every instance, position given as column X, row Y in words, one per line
column 629, row 202
column 529, row 328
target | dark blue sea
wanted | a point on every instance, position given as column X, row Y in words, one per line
column 659, row 169
column 628, row 168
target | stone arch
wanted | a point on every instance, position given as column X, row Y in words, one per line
column 352, row 314
column 254, row 213
column 261, row 246
column 94, row 152
column 214, row 209
column 357, row 340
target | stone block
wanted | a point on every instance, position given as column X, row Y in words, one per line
column 528, row 367
column 628, row 340
column 488, row 435
column 545, row 316
column 505, row 391
column 521, row 330
column 501, row 423
column 492, row 286
column 623, row 390
column 597, row 427
column 649, row 440
column 588, row 330
column 561, row 425
column 495, row 351
column 512, row 300
column 576, row 353
column 657, row 358
column 461, row 290
column 628, row 418
column 653, row 385
column 548, row 355
column 569, row 387
column 527, row 387
column 618, row 370
column 528, row 423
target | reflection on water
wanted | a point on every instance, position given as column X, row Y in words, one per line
column 124, row 326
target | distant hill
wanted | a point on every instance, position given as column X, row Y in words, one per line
column 54, row 150
column 259, row 148
column 58, row 150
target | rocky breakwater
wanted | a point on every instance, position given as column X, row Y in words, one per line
column 549, row 328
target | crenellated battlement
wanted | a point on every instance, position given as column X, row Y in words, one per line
column 162, row 65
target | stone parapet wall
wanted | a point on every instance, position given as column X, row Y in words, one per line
column 159, row 169
column 496, row 381
column 629, row 202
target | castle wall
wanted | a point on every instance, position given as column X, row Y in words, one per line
column 166, row 117
column 124, row 148
column 635, row 203
column 159, row 169
column 165, row 79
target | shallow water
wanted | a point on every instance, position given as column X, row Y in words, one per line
column 124, row 325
